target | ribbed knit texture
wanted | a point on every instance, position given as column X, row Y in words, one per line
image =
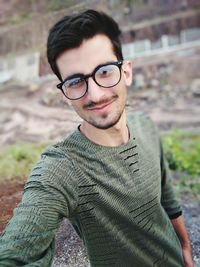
column 119, row 200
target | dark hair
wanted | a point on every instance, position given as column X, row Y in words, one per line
column 70, row 32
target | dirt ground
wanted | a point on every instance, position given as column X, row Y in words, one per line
column 28, row 114
column 10, row 196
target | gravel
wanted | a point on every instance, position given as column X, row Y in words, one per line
column 191, row 212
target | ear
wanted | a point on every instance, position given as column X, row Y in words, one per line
column 127, row 72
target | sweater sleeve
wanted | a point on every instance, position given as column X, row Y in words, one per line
column 168, row 198
column 28, row 239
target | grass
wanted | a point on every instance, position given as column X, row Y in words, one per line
column 16, row 161
column 182, row 150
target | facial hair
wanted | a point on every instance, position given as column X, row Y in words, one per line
column 97, row 124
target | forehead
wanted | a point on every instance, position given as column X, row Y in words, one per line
column 91, row 53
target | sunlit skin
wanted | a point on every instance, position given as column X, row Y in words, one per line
column 102, row 109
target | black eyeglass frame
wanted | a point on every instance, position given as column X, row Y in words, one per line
column 85, row 78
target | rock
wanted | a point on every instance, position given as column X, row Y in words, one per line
column 195, row 88
column 52, row 97
column 154, row 83
column 167, row 88
column 139, row 81
column 33, row 87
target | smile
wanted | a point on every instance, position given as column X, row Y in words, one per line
column 102, row 107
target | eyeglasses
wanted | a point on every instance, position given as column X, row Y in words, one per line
column 106, row 76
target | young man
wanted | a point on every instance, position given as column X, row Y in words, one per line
column 109, row 177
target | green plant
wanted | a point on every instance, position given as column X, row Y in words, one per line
column 182, row 151
column 17, row 160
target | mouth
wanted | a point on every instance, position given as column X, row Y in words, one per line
column 101, row 107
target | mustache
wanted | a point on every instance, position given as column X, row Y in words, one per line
column 92, row 104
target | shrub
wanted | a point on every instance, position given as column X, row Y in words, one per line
column 182, row 150
column 17, row 160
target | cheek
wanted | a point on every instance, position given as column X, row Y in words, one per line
column 122, row 88
column 77, row 105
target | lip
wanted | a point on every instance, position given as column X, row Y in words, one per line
column 101, row 108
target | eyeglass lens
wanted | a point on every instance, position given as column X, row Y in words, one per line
column 105, row 76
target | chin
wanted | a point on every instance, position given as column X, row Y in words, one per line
column 105, row 125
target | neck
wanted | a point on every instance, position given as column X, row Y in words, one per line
column 114, row 136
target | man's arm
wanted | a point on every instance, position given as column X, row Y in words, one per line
column 173, row 210
column 181, row 231
column 29, row 237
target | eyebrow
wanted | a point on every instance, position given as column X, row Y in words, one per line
column 77, row 75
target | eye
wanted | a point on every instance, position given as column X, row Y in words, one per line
column 105, row 71
column 74, row 83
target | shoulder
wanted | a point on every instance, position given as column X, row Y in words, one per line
column 60, row 153
column 54, row 156
column 142, row 120
column 54, row 175
column 142, row 126
column 54, row 168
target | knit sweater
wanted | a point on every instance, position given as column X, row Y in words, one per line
column 119, row 199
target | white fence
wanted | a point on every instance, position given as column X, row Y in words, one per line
column 21, row 68
column 167, row 43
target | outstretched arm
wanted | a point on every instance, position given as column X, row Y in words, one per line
column 29, row 237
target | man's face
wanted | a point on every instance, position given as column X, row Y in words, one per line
column 99, row 107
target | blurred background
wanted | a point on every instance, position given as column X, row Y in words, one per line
column 161, row 37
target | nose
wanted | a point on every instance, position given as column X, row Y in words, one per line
column 95, row 92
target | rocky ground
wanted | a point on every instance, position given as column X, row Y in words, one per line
column 37, row 114
column 191, row 212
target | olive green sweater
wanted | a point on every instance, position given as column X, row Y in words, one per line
column 120, row 200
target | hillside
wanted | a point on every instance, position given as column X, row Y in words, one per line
column 24, row 25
